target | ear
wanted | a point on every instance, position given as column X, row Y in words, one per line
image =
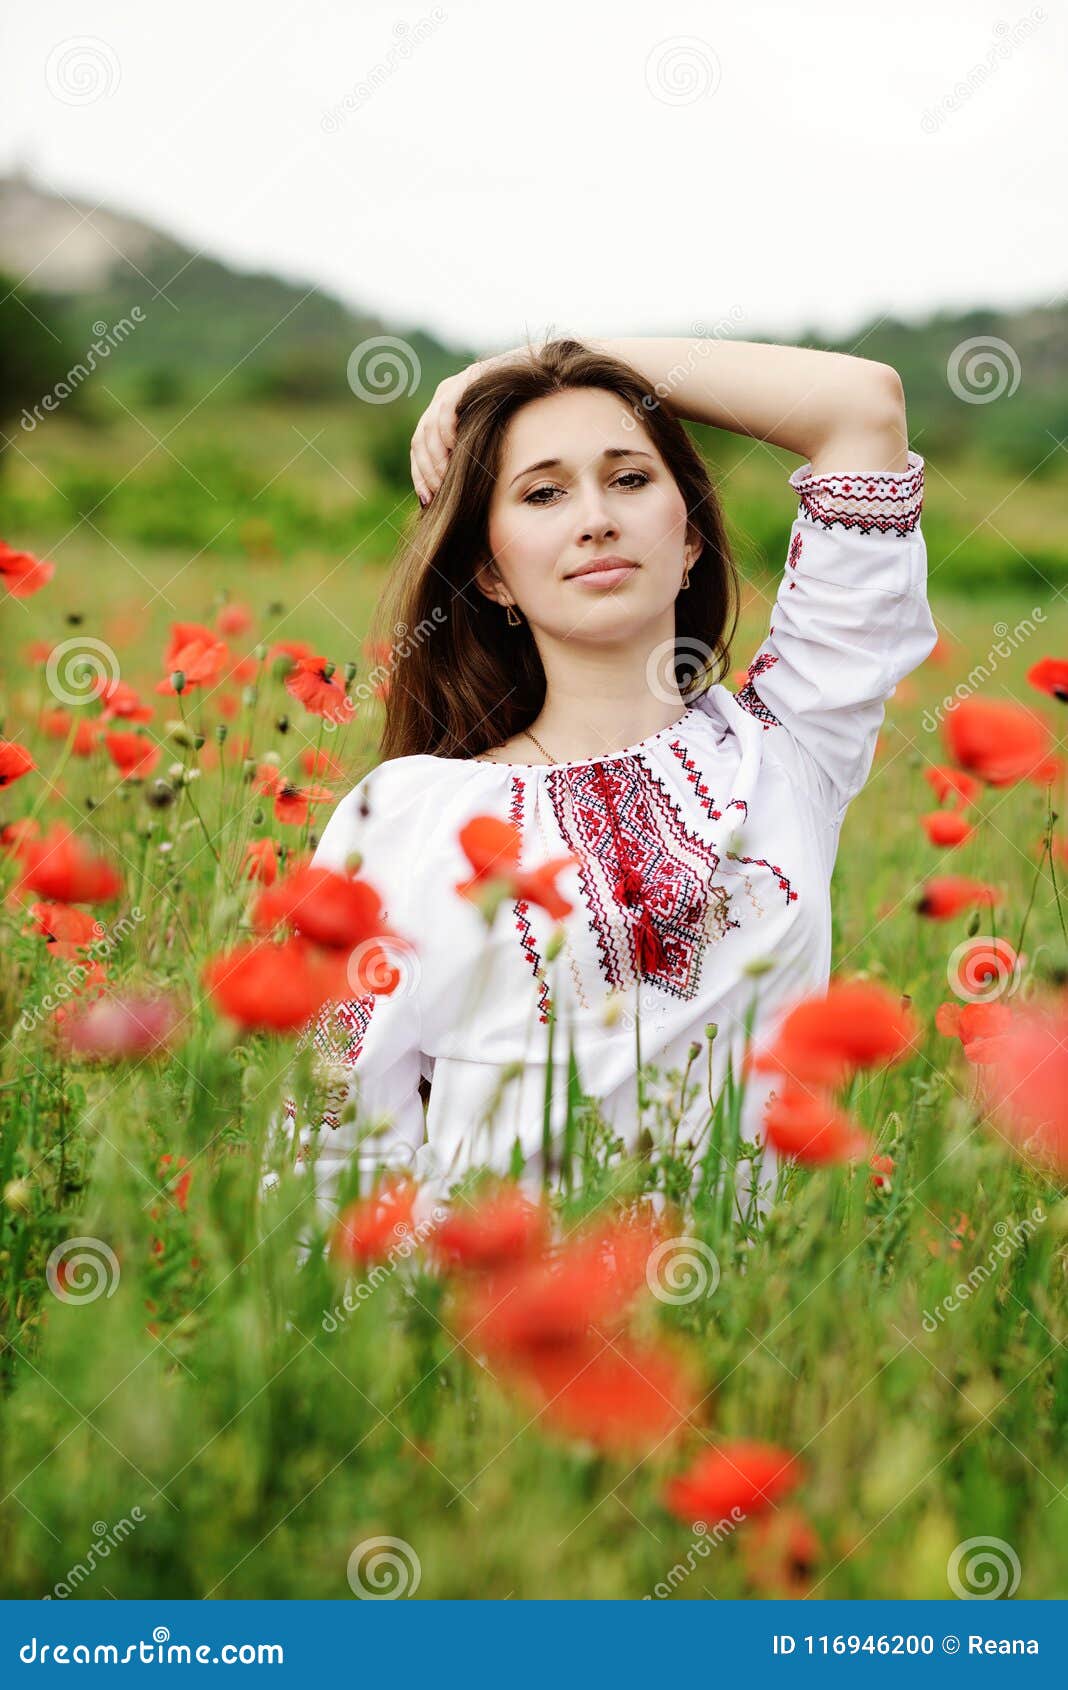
column 694, row 545
column 488, row 581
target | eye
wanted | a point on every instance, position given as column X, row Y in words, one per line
column 636, row 478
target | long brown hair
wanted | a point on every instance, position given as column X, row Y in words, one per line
column 462, row 679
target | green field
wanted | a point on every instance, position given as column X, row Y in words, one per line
column 259, row 1448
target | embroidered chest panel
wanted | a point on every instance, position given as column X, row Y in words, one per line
column 646, row 879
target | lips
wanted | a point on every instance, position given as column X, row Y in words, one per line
column 603, row 565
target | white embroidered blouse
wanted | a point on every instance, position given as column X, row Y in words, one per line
column 731, row 818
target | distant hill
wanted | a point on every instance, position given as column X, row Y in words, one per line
column 202, row 318
column 210, row 329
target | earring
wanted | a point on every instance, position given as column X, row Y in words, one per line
column 685, row 581
column 513, row 619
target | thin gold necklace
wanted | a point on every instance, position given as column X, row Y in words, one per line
column 539, row 745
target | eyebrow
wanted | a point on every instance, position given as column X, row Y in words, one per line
column 609, row 452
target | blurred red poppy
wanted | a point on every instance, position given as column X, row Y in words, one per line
column 60, row 868
column 744, row 1477
column 996, row 740
column 854, row 1024
column 369, row 1229
column 275, row 987
column 947, row 895
column 15, row 761
column 492, row 1231
column 808, row 1125
column 1050, row 674
column 491, row 846
column 946, row 827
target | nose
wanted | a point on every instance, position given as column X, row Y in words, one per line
column 596, row 522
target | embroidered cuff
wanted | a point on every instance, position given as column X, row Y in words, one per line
column 880, row 501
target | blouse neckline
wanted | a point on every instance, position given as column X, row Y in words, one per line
column 584, row 762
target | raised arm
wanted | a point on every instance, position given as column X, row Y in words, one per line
column 839, row 412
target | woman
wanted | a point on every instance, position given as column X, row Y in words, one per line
column 566, row 606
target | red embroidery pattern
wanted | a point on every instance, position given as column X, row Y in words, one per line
column 883, row 502
column 338, row 1032
column 693, row 775
column 750, row 699
column 795, row 551
column 772, row 868
column 522, row 915
column 646, row 878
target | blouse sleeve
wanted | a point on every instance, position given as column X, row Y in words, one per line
column 851, row 619
column 370, row 1045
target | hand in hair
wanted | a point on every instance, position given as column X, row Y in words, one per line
column 435, row 432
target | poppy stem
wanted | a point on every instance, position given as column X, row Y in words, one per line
column 192, row 801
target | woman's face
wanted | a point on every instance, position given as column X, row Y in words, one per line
column 608, row 493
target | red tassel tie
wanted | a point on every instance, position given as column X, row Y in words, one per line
column 628, row 887
column 651, row 956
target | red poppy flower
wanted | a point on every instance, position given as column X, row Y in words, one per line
column 290, row 802
column 624, row 1398
column 275, row 987
column 492, row 1232
column 180, row 1189
column 196, row 651
column 946, row 827
column 854, row 1024
column 951, row 783
column 746, row 1477
column 293, row 649
column 1026, row 1083
column 57, row 725
column 369, row 1229
column 122, row 1028
column 59, row 867
column 1050, row 675
column 120, row 700
column 333, row 909
column 1048, row 772
column 308, row 682
column 781, row 1552
column 66, row 929
column 133, row 755
column 881, row 1169
column 22, row 573
column 591, row 1279
column 948, row 894
column 15, row 761
column 978, row 1026
column 492, row 846
column 808, row 1125
column 234, row 619
column 319, row 762
column 996, row 740
column 13, row 835
column 261, row 861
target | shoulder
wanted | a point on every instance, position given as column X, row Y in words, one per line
column 394, row 805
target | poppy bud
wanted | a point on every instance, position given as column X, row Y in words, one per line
column 221, row 731
column 350, row 674
column 17, row 1194
column 973, row 924
column 178, row 680
column 249, row 696
column 282, row 724
column 198, row 741
column 555, row 945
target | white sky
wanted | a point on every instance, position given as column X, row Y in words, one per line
column 529, row 167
